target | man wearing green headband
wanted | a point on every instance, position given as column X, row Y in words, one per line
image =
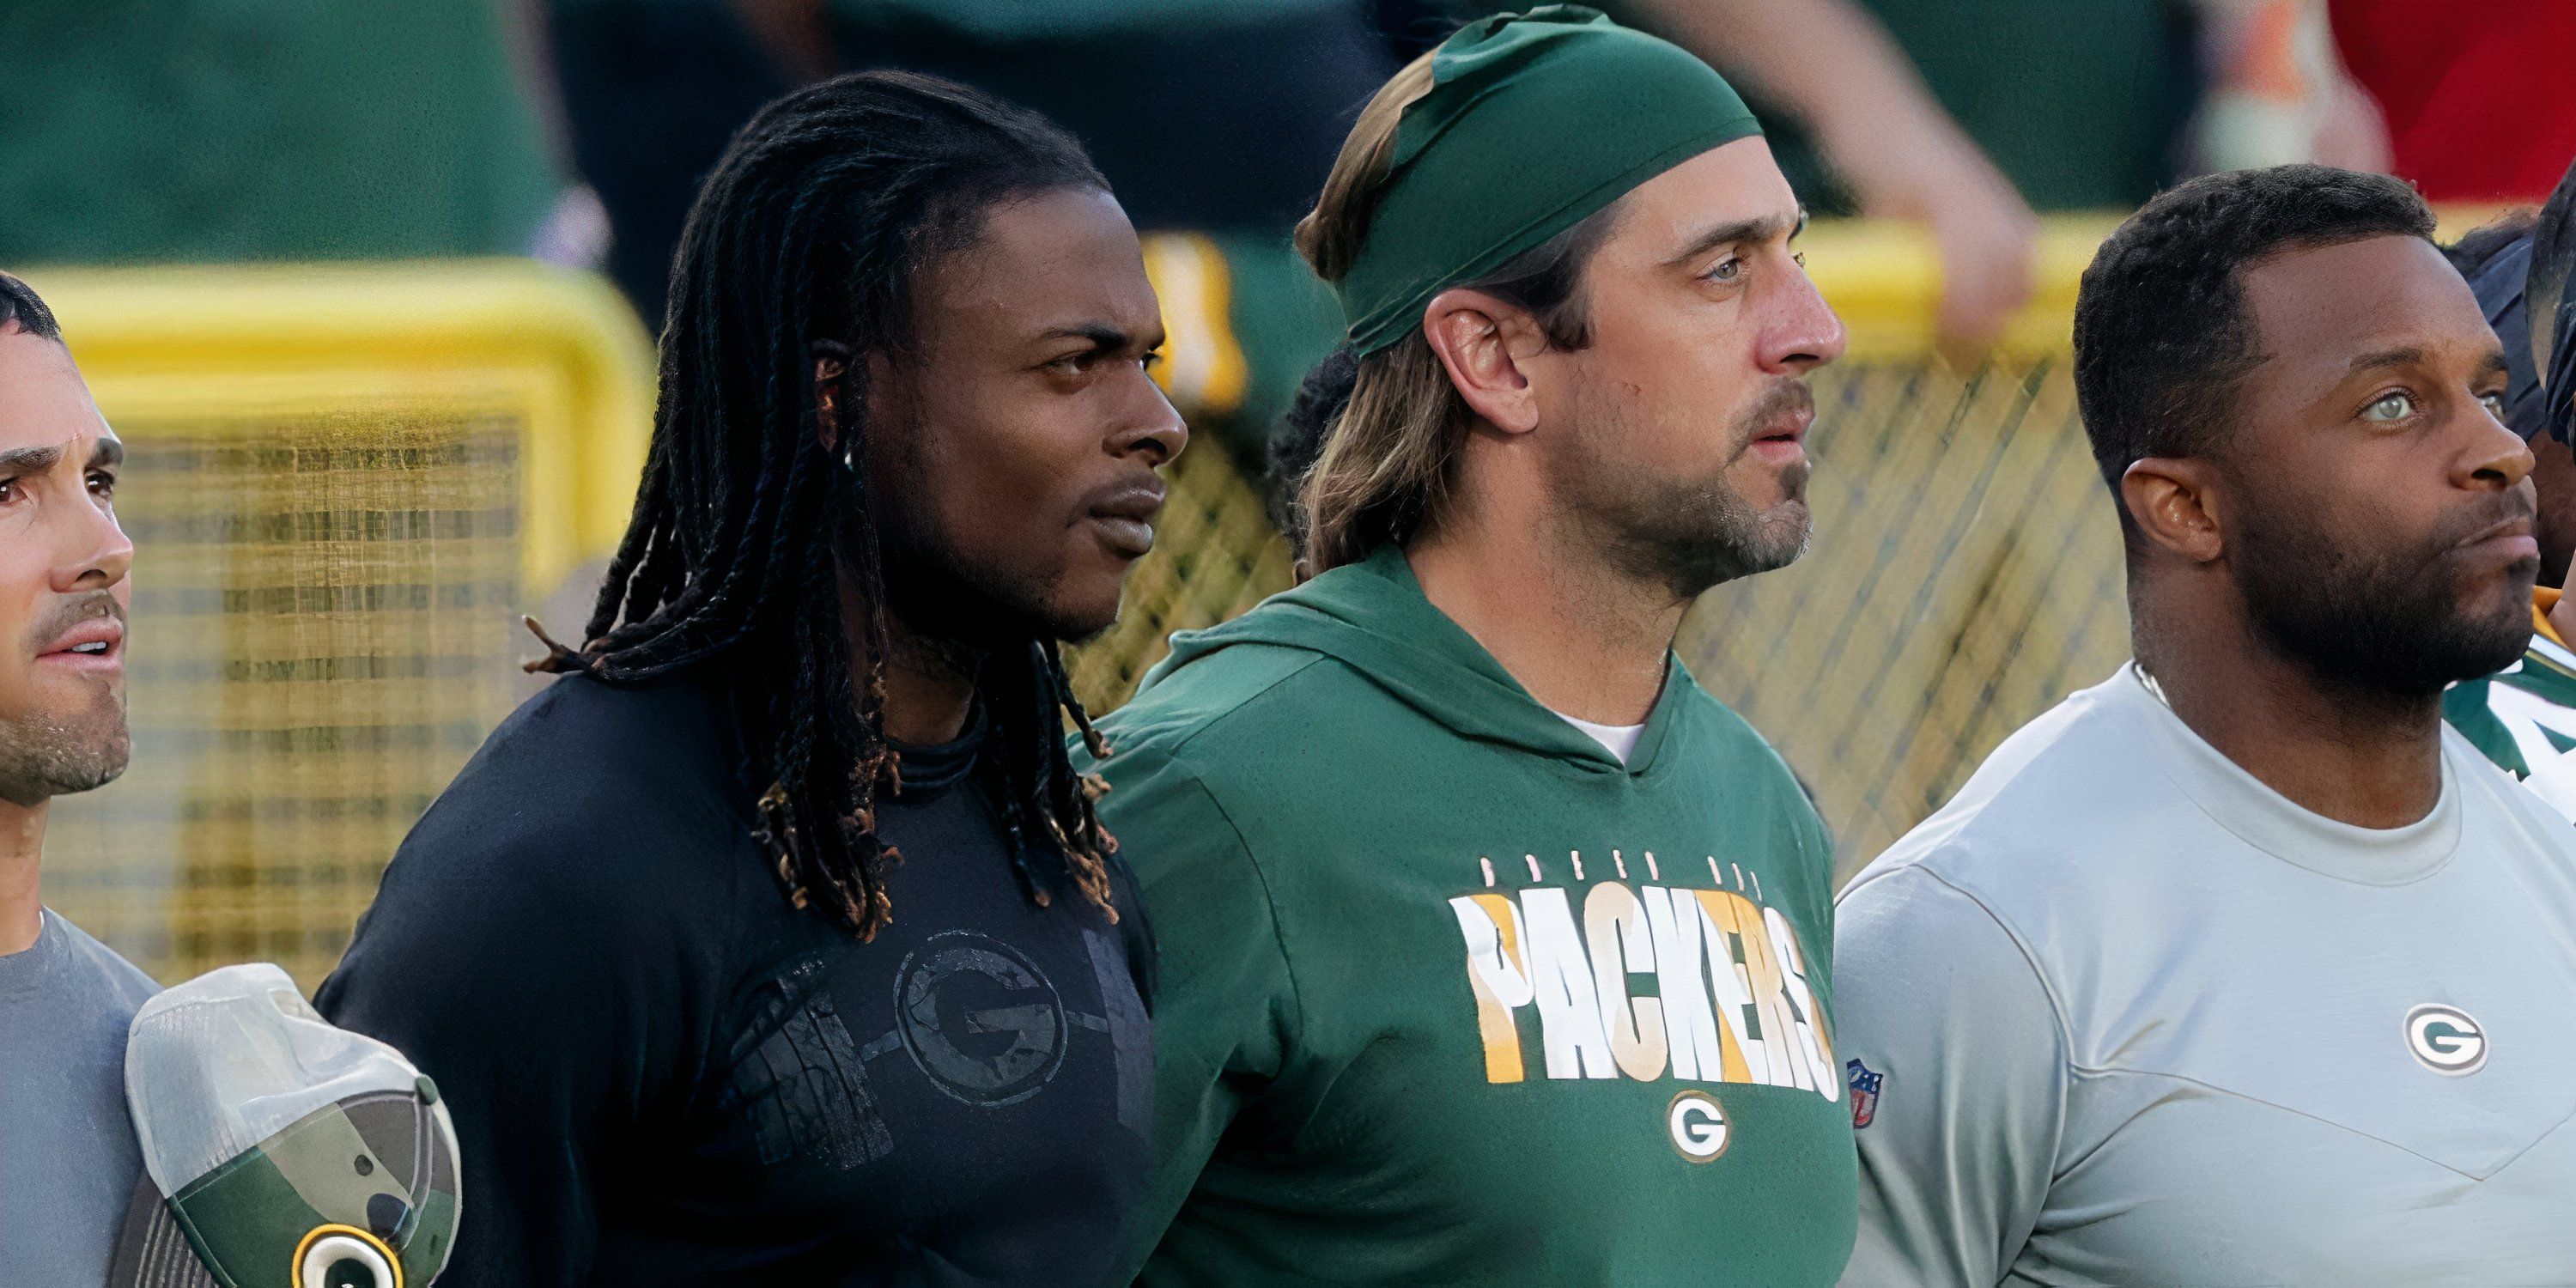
column 1494, row 950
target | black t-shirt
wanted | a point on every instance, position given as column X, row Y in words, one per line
column 661, row 1073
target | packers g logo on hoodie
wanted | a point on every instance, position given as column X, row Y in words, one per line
column 1728, row 1000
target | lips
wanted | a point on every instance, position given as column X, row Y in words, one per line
column 2512, row 538
column 1780, row 422
column 1791, row 426
column 1784, row 439
column 1123, row 514
column 96, row 643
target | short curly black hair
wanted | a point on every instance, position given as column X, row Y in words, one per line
column 19, row 305
column 2163, row 335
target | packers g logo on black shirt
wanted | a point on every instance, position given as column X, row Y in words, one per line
column 983, row 1022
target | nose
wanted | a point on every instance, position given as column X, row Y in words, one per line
column 1804, row 334
column 1153, row 428
column 2496, row 458
column 95, row 552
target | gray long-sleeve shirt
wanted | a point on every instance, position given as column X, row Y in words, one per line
column 68, row 1162
column 2124, row 1015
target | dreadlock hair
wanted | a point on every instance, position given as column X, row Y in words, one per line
column 803, row 249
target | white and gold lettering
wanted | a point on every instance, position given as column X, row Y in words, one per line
column 1644, row 982
column 1690, row 1024
column 1812, row 1042
column 1569, row 1011
column 1615, row 925
column 1499, row 974
column 1770, row 999
column 1732, row 988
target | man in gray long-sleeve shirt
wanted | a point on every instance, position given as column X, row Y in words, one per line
column 2237, row 969
column 68, row 1160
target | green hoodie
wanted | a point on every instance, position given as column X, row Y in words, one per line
column 1435, row 998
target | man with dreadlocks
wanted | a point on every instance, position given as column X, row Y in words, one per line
column 777, row 941
column 1494, row 950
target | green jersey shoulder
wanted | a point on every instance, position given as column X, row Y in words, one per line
column 2523, row 718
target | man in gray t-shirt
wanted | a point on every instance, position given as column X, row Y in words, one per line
column 2235, row 969
column 68, row 1160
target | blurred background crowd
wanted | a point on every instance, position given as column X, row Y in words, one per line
column 340, row 508
column 576, row 131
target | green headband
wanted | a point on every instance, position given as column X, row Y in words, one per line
column 1534, row 122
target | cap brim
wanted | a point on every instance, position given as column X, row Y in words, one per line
column 151, row 1250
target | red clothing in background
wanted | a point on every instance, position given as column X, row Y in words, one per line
column 2480, row 94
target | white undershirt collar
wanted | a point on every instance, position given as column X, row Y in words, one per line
column 1618, row 740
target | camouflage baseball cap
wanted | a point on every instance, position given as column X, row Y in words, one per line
column 279, row 1151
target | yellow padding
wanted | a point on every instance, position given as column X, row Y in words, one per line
column 1203, row 368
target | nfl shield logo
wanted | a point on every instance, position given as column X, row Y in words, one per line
column 1864, row 1089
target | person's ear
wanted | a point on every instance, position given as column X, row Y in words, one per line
column 2174, row 501
column 1481, row 341
column 827, row 401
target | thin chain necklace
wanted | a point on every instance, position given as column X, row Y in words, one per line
column 2148, row 679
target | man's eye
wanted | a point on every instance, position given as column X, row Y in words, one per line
column 2494, row 404
column 10, row 491
column 102, row 485
column 1728, row 269
column 2391, row 406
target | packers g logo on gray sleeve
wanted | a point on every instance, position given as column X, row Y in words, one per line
column 2445, row 1040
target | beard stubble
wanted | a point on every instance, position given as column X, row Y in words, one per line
column 1683, row 534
